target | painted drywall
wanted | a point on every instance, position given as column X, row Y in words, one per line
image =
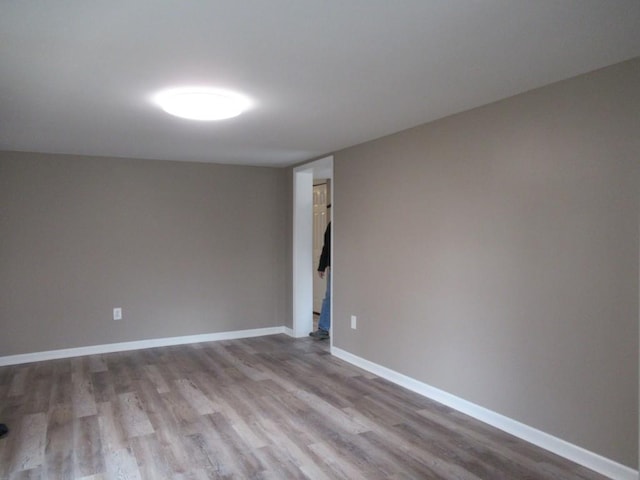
column 182, row 248
column 494, row 255
column 288, row 261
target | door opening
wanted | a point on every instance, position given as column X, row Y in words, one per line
column 303, row 259
column 320, row 221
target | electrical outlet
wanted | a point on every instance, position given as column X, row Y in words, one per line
column 354, row 321
column 117, row 313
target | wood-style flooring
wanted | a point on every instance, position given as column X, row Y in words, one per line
column 261, row 408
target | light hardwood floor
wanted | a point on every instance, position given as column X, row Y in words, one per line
column 262, row 408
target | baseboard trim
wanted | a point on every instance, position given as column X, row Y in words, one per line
column 136, row 345
column 579, row 455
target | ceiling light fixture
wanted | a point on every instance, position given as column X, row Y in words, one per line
column 196, row 103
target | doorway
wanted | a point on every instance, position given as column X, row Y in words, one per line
column 303, row 261
column 321, row 192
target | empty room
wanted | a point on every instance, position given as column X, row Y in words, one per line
column 474, row 259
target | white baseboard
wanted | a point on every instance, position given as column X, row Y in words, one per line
column 136, row 345
column 579, row 455
column 289, row 331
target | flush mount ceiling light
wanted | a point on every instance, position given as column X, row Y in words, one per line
column 196, row 103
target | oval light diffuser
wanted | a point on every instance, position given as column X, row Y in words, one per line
column 197, row 103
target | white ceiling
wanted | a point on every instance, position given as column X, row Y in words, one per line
column 76, row 76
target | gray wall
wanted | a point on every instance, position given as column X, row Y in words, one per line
column 183, row 248
column 494, row 255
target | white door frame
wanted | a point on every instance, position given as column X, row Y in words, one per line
column 303, row 241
